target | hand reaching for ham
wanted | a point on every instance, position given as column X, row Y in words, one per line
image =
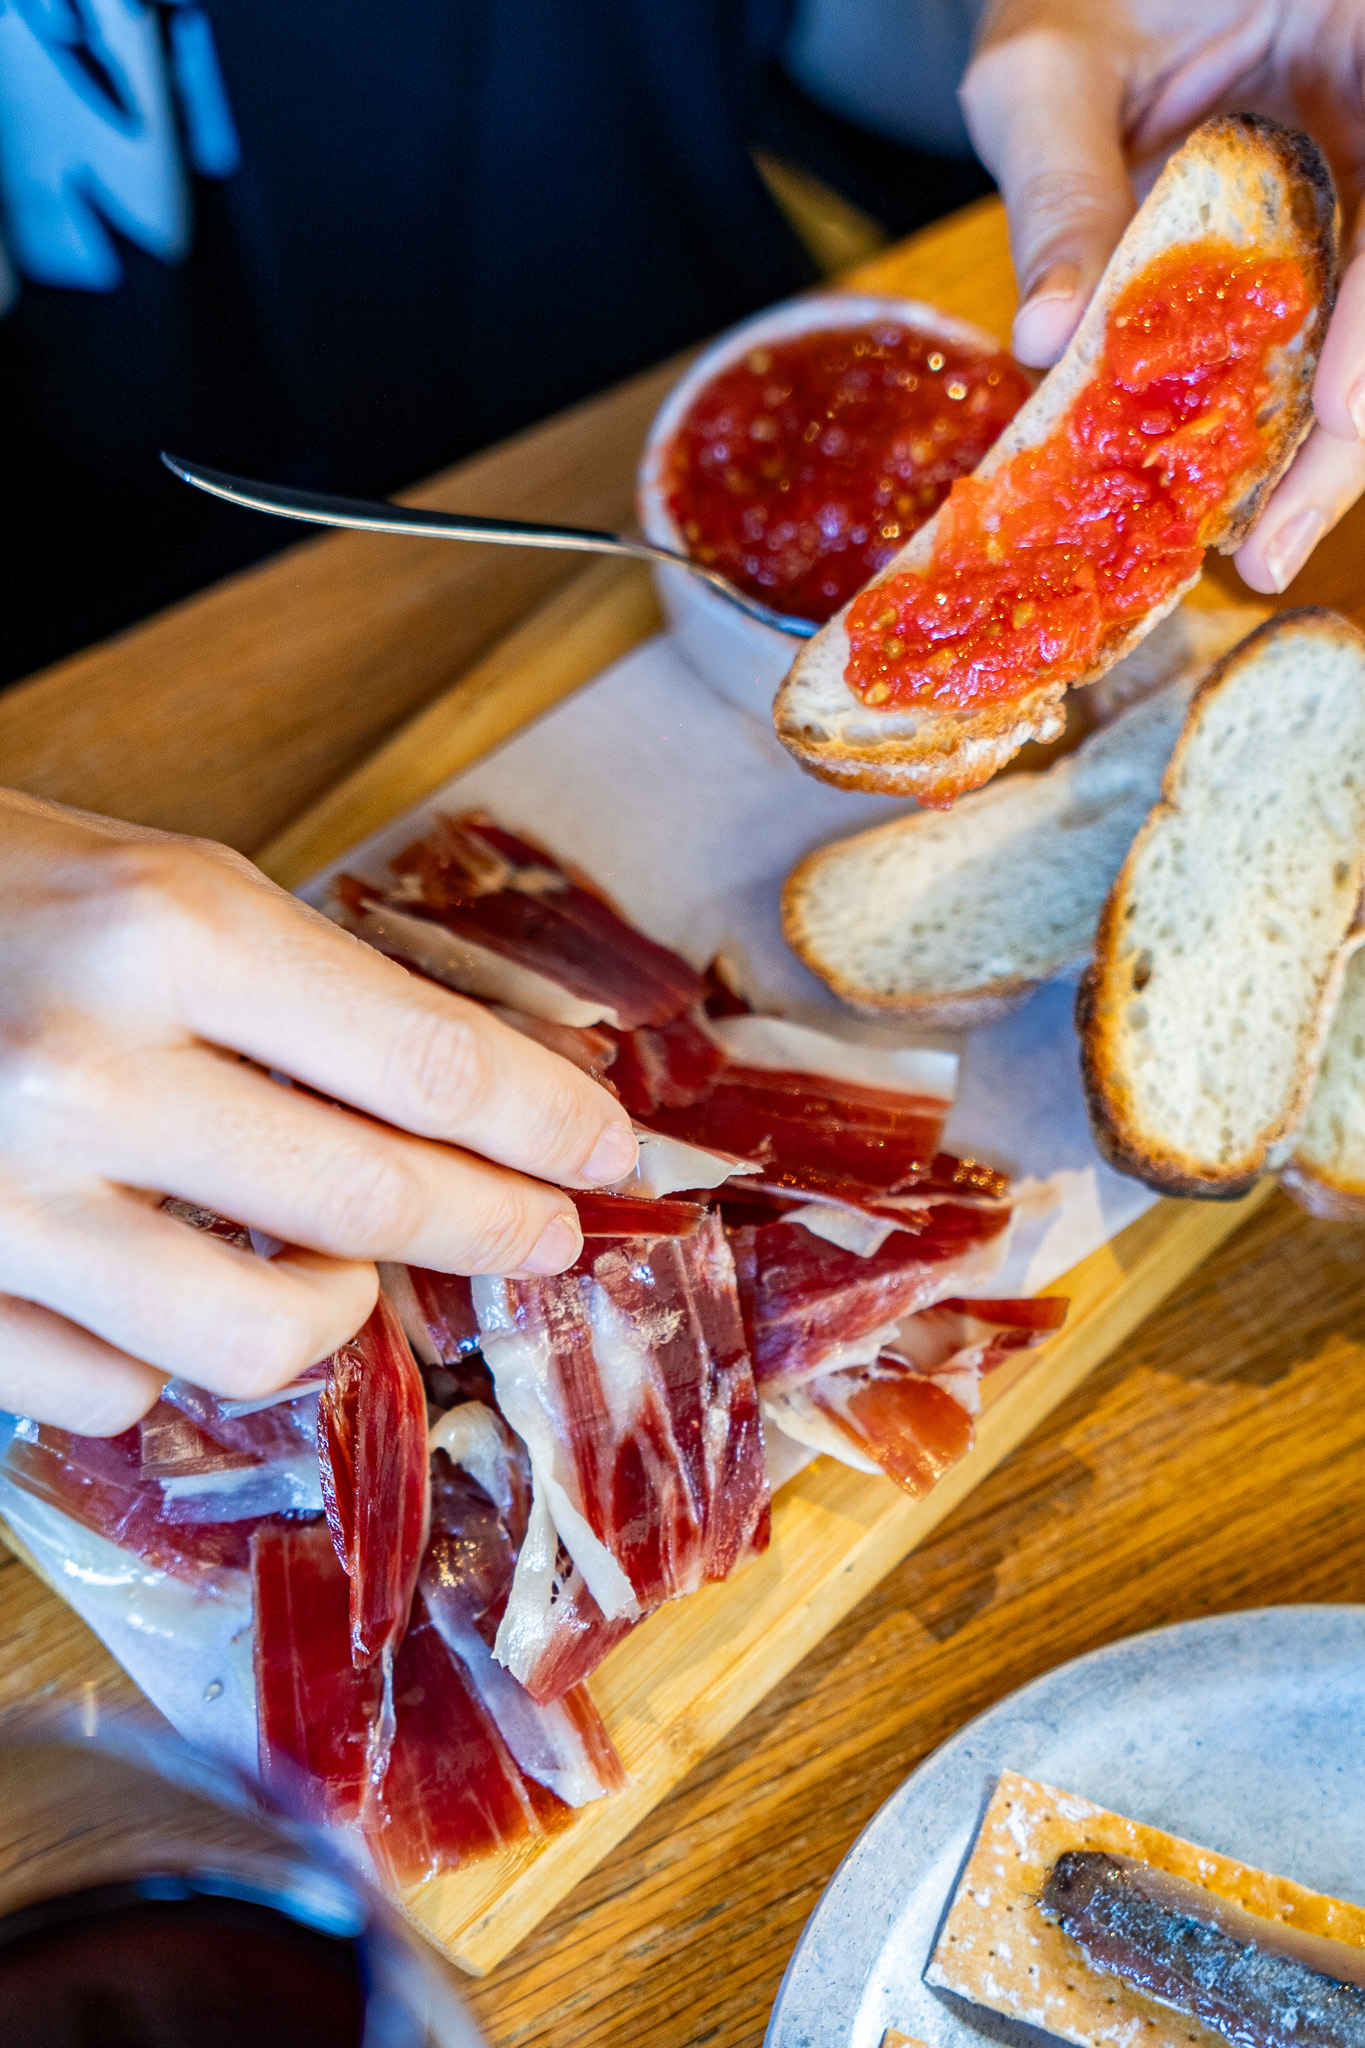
column 147, row 985
column 1066, row 98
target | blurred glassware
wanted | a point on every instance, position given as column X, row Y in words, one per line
column 150, row 1897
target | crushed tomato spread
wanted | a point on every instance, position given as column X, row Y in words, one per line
column 1071, row 542
column 802, row 469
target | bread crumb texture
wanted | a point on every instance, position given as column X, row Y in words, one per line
column 1331, row 1145
column 997, row 1949
column 1238, row 899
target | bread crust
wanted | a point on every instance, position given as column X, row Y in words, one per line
column 1331, row 1201
column 962, row 1009
column 935, row 754
column 1117, row 1134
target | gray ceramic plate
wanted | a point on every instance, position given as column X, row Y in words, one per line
column 1245, row 1732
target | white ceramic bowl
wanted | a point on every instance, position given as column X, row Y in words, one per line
column 741, row 660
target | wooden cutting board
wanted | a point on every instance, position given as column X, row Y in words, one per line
column 685, row 1677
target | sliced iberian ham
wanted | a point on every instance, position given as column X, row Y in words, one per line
column 376, row 1488
column 481, row 1505
column 182, row 1500
column 669, row 1066
column 561, row 1633
column 956, row 1342
column 263, row 1463
column 315, row 1710
column 597, row 1447
column 99, row 1482
column 372, row 1451
column 811, row 1306
column 629, row 1380
column 825, row 1121
column 451, row 1789
column 497, row 916
column 908, row 1413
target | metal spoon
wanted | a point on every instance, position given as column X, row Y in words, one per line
column 318, row 509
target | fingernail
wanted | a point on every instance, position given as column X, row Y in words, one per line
column 558, row 1246
column 1286, row 554
column 1355, row 406
column 613, row 1156
column 1044, row 322
column 1059, row 281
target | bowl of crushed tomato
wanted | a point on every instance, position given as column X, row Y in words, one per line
column 799, row 454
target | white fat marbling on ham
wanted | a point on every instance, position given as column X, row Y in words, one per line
column 469, row 968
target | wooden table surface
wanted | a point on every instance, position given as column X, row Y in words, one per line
column 1216, row 1460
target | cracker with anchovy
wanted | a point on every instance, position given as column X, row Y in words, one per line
column 997, row 1948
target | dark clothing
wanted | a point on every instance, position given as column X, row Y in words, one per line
column 449, row 220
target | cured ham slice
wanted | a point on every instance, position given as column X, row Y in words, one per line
column 957, row 1342
column 315, row 1711
column 478, row 1526
column 812, row 1307
column 436, row 1311
column 669, row 1067
column 555, row 1632
column 626, row 1216
column 450, row 1789
column 497, row 916
column 372, row 1452
column 268, row 1465
column 909, row 1412
column 818, row 1138
column 629, row 1381
column 878, row 1418
column 846, row 1215
column 837, row 1122
column 100, row 1483
column 453, row 1791
column 481, row 1503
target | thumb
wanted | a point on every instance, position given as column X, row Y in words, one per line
column 1044, row 108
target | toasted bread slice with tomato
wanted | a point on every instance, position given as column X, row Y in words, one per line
column 1221, row 951
column 1240, row 179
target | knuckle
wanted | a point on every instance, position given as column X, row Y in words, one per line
column 442, row 1069
column 504, row 1232
column 378, row 1205
column 49, row 1079
column 151, row 897
column 258, row 1352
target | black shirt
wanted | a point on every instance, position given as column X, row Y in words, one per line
column 448, row 220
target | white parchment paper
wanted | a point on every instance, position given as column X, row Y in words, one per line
column 692, row 815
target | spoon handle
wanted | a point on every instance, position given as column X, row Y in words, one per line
column 318, row 508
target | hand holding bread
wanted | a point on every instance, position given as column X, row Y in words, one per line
column 1069, row 106
column 1178, row 405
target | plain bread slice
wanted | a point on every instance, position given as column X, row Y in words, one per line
column 1325, row 1173
column 1221, row 949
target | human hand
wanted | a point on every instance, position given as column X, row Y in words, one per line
column 1065, row 99
column 146, row 983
